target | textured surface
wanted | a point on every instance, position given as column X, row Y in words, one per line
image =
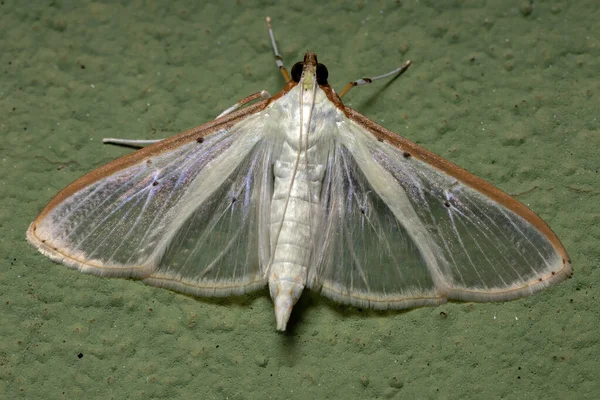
column 507, row 90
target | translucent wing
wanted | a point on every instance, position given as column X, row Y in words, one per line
column 182, row 215
column 405, row 228
column 367, row 257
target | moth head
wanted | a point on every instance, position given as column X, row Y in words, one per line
column 309, row 70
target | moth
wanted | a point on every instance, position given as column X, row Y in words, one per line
column 300, row 191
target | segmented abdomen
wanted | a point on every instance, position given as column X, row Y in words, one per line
column 294, row 214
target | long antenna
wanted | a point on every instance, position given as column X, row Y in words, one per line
column 364, row 81
column 278, row 58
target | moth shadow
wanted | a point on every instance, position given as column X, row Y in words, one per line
column 347, row 310
column 242, row 300
column 310, row 300
column 372, row 99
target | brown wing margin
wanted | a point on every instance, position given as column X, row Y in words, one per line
column 136, row 157
column 470, row 180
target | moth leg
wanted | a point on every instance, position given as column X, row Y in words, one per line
column 131, row 142
column 363, row 81
column 278, row 58
column 263, row 94
column 143, row 143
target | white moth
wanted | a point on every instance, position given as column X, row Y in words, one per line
column 294, row 191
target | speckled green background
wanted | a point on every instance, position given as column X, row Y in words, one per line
column 505, row 89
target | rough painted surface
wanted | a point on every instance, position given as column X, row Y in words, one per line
column 506, row 90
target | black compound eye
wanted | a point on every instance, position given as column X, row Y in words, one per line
column 322, row 74
column 297, row 71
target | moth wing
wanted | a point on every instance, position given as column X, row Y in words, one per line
column 185, row 213
column 405, row 228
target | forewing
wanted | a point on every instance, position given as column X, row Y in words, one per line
column 429, row 231
column 133, row 221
